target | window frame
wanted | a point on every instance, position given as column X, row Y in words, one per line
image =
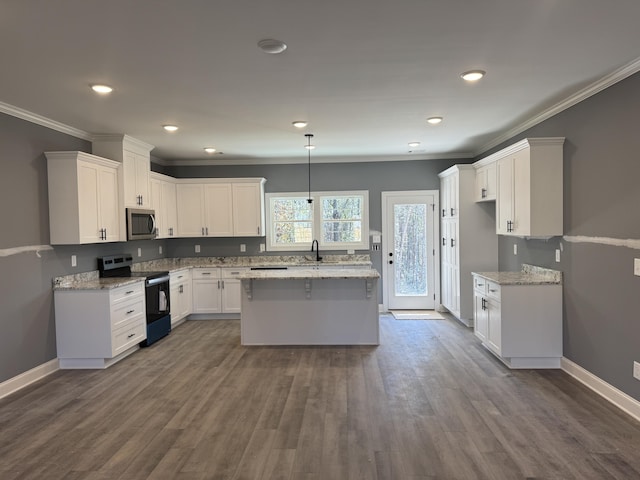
column 316, row 221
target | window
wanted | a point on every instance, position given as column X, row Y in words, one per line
column 338, row 220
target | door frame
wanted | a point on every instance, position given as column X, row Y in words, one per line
column 435, row 241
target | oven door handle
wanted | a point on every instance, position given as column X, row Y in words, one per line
column 155, row 281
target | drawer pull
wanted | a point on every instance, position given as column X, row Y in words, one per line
column 481, row 284
column 179, row 276
column 130, row 312
column 491, row 290
column 131, row 335
column 206, row 273
column 129, row 292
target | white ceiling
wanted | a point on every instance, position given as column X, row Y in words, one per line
column 365, row 74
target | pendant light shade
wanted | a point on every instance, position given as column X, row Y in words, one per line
column 309, row 147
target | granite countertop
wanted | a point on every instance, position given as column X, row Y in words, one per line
column 91, row 280
column 173, row 264
column 309, row 273
column 529, row 275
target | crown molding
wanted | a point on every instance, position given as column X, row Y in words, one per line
column 43, row 121
column 590, row 90
column 316, row 160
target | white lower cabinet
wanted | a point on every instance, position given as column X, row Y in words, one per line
column 519, row 323
column 180, row 295
column 96, row 328
column 216, row 290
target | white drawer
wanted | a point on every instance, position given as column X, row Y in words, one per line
column 128, row 291
column 128, row 335
column 206, row 273
column 233, row 272
column 480, row 285
column 493, row 290
column 180, row 275
column 123, row 312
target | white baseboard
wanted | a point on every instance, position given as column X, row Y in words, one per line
column 617, row 397
column 20, row 381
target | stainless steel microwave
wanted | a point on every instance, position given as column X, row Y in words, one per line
column 141, row 224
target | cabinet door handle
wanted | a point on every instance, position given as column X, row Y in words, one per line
column 484, row 193
column 484, row 304
column 452, row 212
column 171, row 231
column 207, row 230
column 258, row 229
column 203, row 231
column 444, row 241
column 181, row 290
column 223, row 284
column 218, row 284
column 453, row 242
column 443, row 210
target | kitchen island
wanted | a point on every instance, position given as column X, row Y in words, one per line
column 310, row 306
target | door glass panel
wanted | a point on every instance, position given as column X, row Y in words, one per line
column 410, row 249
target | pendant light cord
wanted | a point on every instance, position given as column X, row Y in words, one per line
column 309, row 137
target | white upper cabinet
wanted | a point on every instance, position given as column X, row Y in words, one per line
column 220, row 208
column 84, row 202
column 248, row 209
column 135, row 158
column 529, row 199
column 486, row 182
column 163, row 201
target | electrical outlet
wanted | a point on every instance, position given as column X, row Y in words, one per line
column 557, row 254
column 139, row 252
column 160, row 249
column 636, row 266
column 262, row 247
column 74, row 261
column 636, row 370
column 197, row 248
column 243, row 247
column 515, row 248
column 350, row 252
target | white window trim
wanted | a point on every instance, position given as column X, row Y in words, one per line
column 316, row 222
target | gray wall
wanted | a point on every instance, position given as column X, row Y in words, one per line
column 601, row 199
column 27, row 326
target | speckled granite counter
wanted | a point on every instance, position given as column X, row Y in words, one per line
column 529, row 275
column 252, row 261
column 91, row 281
column 309, row 273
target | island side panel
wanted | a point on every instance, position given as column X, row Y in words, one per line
column 337, row 312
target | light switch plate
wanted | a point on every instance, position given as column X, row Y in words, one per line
column 197, row 248
column 636, row 266
column 139, row 252
column 243, row 247
column 557, row 254
column 515, row 248
column 262, row 247
column 636, row 370
column 74, row 261
column 160, row 249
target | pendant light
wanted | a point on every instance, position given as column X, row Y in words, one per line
column 309, row 147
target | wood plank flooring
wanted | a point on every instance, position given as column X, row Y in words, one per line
column 428, row 403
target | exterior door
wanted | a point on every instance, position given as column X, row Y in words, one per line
column 410, row 249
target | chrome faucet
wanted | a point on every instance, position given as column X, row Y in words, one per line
column 317, row 250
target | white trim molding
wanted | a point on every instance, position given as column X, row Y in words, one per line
column 27, row 378
column 617, row 397
column 43, row 121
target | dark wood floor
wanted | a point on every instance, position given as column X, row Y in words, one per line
column 428, row 403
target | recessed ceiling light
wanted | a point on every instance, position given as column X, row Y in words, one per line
column 102, row 89
column 170, row 128
column 473, row 75
column 299, row 124
column 309, row 147
column 414, row 144
column 434, row 120
column 272, row 46
column 209, row 149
